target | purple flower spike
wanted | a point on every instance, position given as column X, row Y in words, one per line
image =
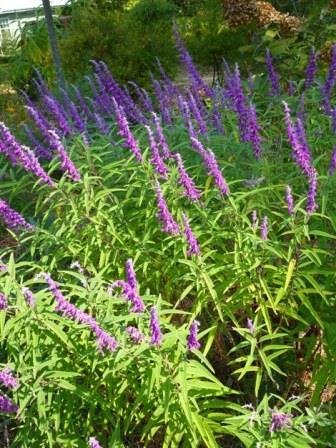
column 12, row 219
column 211, row 164
column 11, row 147
column 298, row 142
column 3, row 301
column 93, row 443
column 193, row 343
column 29, row 297
column 195, row 78
column 289, row 200
column 191, row 239
column 164, row 215
column 250, row 326
column 66, row 163
column 332, row 166
column 186, row 181
column 280, row 421
column 130, row 274
column 291, row 88
column 254, row 220
column 264, row 228
column 7, row 406
column 162, row 139
column 101, row 123
column 272, row 75
column 193, row 106
column 254, row 133
column 310, row 70
column 33, row 165
column 8, row 379
column 103, row 339
column 312, row 191
column 154, row 324
column 213, row 170
column 129, row 288
column 331, row 76
column 156, row 159
column 238, row 101
column 58, row 113
column 135, row 334
column 41, row 123
column 125, row 132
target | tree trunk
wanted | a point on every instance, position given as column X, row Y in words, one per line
column 53, row 44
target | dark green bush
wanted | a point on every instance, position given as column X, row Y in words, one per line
column 127, row 41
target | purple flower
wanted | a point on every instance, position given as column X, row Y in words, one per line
column 10, row 147
column 101, row 123
column 164, row 215
column 172, row 90
column 163, row 101
column 332, row 166
column 291, row 88
column 192, row 342
column 28, row 296
column 289, row 200
column 135, row 334
column 250, row 326
column 3, row 267
column 40, row 121
column 40, row 150
column 211, row 164
column 8, row 379
column 21, row 155
column 186, row 181
column 193, row 106
column 312, row 191
column 58, row 113
column 129, row 288
column 264, row 228
column 3, row 301
column 254, row 220
column 130, row 274
column 331, row 76
column 7, row 406
column 93, row 443
column 82, row 103
column 125, row 132
column 190, row 237
column 216, row 118
column 143, row 97
column 33, row 165
column 154, row 324
column 66, row 163
column 156, row 159
column 296, row 138
column 104, row 340
column 239, row 104
column 280, row 421
column 254, row 133
column 12, row 219
column 185, row 114
column 195, row 78
column 272, row 75
column 162, row 140
column 310, row 70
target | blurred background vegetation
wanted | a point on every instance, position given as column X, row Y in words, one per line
column 130, row 34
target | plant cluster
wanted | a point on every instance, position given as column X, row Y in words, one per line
column 168, row 269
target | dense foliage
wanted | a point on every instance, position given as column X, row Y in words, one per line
column 156, row 292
